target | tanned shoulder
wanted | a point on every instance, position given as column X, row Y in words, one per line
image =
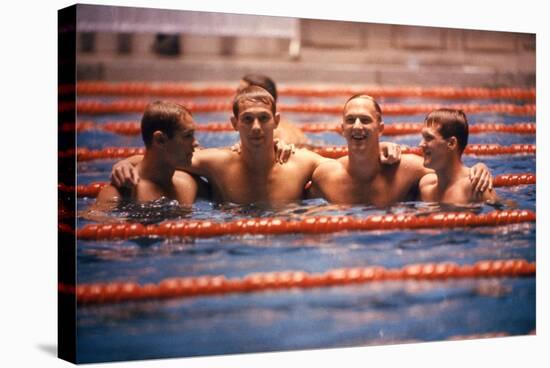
column 206, row 160
column 414, row 165
column 311, row 157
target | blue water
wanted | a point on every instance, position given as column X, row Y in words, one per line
column 357, row 315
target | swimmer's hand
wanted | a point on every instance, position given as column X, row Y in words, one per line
column 124, row 174
column 283, row 151
column 481, row 178
column 390, row 153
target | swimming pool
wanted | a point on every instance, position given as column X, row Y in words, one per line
column 296, row 318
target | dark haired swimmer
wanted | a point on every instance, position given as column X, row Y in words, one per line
column 168, row 134
column 359, row 178
column 253, row 175
column 444, row 137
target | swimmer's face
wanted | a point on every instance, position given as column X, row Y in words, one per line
column 181, row 146
column 360, row 123
column 255, row 123
column 435, row 148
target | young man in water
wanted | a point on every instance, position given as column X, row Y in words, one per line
column 359, row 178
column 286, row 131
column 168, row 131
column 444, row 137
column 251, row 175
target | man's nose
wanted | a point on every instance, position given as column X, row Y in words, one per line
column 256, row 124
column 357, row 124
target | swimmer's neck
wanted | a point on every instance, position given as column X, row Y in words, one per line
column 453, row 171
column 258, row 159
column 155, row 168
column 364, row 165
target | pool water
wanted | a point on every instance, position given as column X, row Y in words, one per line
column 356, row 315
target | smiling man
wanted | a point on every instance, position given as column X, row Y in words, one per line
column 444, row 137
column 359, row 177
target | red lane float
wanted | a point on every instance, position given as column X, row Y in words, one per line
column 84, row 154
column 89, row 190
column 176, row 287
column 188, row 90
column 138, row 106
column 505, row 180
column 512, row 180
column 324, row 224
column 471, row 149
column 133, row 128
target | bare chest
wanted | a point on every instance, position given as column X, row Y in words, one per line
column 283, row 183
column 381, row 191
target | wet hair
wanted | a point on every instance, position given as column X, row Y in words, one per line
column 254, row 94
column 450, row 123
column 262, row 81
column 162, row 116
column 370, row 98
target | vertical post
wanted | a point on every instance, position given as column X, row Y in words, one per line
column 66, row 175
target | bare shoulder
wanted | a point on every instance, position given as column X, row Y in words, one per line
column 428, row 180
column 328, row 168
column 183, row 178
column 412, row 161
column 213, row 157
column 108, row 192
column 182, row 175
column 213, row 154
column 307, row 156
column 109, row 196
column 414, row 164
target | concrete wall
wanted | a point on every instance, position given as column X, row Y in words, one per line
column 331, row 52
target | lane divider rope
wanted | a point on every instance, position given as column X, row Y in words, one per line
column 504, row 180
column 138, row 106
column 133, row 128
column 85, row 154
column 316, row 225
column 188, row 90
column 471, row 149
column 177, row 287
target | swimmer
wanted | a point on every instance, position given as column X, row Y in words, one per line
column 444, row 137
column 168, row 131
column 251, row 175
column 286, row 131
column 359, row 178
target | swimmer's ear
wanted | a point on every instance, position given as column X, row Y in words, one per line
column 380, row 127
column 234, row 122
column 341, row 127
column 277, row 119
column 159, row 137
column 452, row 143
